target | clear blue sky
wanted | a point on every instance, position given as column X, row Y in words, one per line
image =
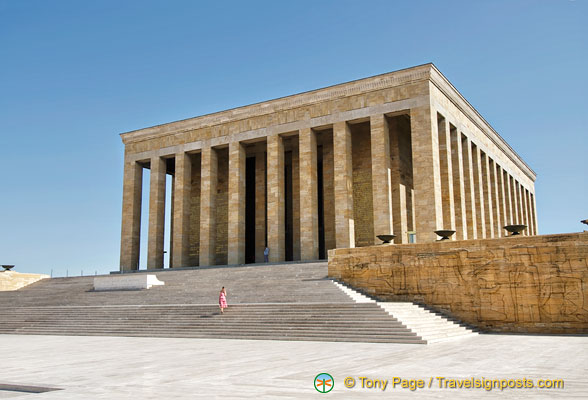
column 75, row 74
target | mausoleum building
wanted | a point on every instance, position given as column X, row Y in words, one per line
column 402, row 153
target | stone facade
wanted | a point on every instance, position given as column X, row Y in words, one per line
column 513, row 284
column 400, row 153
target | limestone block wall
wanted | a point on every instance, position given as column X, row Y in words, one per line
column 362, row 185
column 532, row 284
column 11, row 280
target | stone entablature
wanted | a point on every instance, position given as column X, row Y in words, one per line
column 514, row 284
column 399, row 153
column 200, row 131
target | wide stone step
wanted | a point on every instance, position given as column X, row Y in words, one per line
column 225, row 335
column 267, row 313
column 427, row 321
column 269, row 302
column 227, row 322
column 362, row 339
column 242, row 330
column 211, row 314
column 440, row 334
column 382, row 324
column 220, row 330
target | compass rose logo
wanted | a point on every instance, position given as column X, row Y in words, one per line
column 324, row 383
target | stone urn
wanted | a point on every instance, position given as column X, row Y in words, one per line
column 444, row 233
column 515, row 229
column 7, row 267
column 386, row 239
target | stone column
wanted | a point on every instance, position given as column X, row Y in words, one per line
column 530, row 229
column 208, row 184
column 276, row 233
column 446, row 171
column 515, row 201
column 155, row 243
column 461, row 222
column 399, row 200
column 131, row 216
column 426, row 173
column 236, row 248
column 521, row 204
column 502, row 200
column 343, row 172
column 510, row 198
column 487, row 188
column 469, row 186
column 495, row 209
column 171, row 224
column 525, row 211
column 521, row 198
column 518, row 203
column 381, row 176
column 534, row 212
column 181, row 211
column 523, row 208
column 260, row 217
column 308, row 195
column 479, row 191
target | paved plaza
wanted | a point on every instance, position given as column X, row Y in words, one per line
column 160, row 368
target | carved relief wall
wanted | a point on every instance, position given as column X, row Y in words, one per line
column 523, row 284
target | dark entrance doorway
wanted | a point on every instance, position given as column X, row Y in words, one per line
column 321, row 208
column 288, row 207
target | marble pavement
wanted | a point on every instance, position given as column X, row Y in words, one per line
column 159, row 368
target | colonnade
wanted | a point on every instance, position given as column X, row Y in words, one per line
column 419, row 174
column 479, row 196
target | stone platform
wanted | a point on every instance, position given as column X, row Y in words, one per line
column 163, row 368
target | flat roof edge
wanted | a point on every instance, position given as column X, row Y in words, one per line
column 501, row 142
column 183, row 124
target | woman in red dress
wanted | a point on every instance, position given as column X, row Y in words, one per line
column 222, row 299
